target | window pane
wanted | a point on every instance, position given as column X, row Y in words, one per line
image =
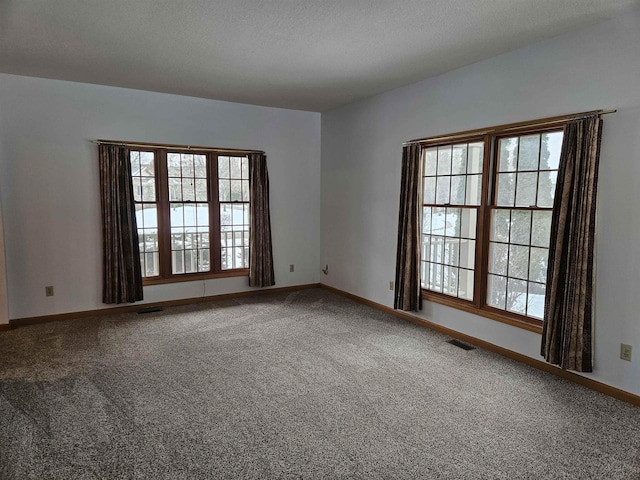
column 201, row 190
column 202, row 215
column 426, row 247
column 518, row 261
column 223, row 167
column 535, row 301
column 224, row 265
column 443, row 186
column 246, row 215
column 152, row 264
column 176, row 214
column 459, row 160
column 498, row 258
column 150, row 240
column 541, row 230
column 467, row 254
column 237, row 214
column 200, row 166
column 526, row 189
column 424, row 274
column 508, row 154
column 204, row 239
column 465, row 284
column 224, row 189
column 175, row 190
column 245, row 190
column 225, row 217
column 529, row 152
column 496, row 291
column 190, row 261
column 450, row 280
column 520, row 227
column 500, row 222
column 436, row 277
column 203, row 260
column 444, row 160
column 475, row 157
column 429, row 187
column 538, row 265
column 517, row 296
column 437, row 220
column 547, row 188
column 452, row 222
column 238, row 259
column 468, row 221
column 474, row 189
column 426, row 220
column 437, row 248
column 187, row 165
column 430, row 161
column 451, row 251
column 190, row 218
column 236, row 167
column 177, row 238
column 188, row 190
column 148, row 189
column 236, row 190
column 173, row 165
column 137, row 189
column 134, row 158
column 147, row 164
column 506, row 189
column 237, row 238
column 245, row 168
column 458, row 190
column 550, row 154
column 177, row 261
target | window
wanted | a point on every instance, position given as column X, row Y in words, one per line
column 192, row 212
column 486, row 221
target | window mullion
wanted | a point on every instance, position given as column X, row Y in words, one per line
column 214, row 213
column 484, row 226
column 164, row 220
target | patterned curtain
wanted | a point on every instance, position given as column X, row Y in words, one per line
column 260, row 251
column 567, row 331
column 122, row 277
column 408, row 295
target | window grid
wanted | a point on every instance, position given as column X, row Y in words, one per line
column 143, row 179
column 452, row 184
column 233, row 196
column 180, row 213
column 189, row 212
column 513, row 222
column 517, row 265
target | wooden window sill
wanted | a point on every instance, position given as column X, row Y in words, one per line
column 494, row 314
column 195, row 277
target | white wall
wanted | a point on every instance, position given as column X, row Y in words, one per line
column 50, row 189
column 598, row 67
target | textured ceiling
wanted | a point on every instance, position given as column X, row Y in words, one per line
column 307, row 55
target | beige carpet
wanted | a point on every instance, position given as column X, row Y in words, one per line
column 304, row 385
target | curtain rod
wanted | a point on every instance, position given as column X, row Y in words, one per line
column 169, row 146
column 507, row 127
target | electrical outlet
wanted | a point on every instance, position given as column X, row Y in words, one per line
column 625, row 352
column 391, row 285
column 48, row 291
column 291, row 267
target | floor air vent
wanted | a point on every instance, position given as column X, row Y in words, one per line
column 149, row 310
column 460, row 344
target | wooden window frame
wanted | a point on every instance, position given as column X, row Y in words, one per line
column 164, row 220
column 490, row 138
